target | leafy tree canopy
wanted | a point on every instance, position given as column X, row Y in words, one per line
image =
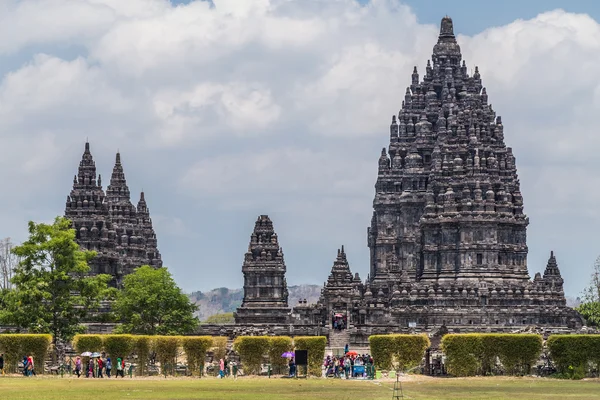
column 590, row 307
column 152, row 304
column 224, row 318
column 52, row 290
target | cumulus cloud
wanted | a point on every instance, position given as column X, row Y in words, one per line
column 280, row 107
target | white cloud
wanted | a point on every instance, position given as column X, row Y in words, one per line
column 280, row 106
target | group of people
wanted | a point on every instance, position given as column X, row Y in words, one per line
column 100, row 367
column 349, row 365
column 339, row 322
column 226, row 368
column 28, row 366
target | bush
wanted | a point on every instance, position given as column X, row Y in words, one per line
column 316, row 352
column 277, row 346
column 82, row 343
column 10, row 345
column 463, row 353
column 572, row 354
column 471, row 354
column 142, row 345
column 382, row 349
column 15, row 346
column 251, row 350
column 219, row 348
column 195, row 348
column 409, row 350
column 118, row 345
column 166, row 352
column 402, row 351
column 517, row 352
column 36, row 346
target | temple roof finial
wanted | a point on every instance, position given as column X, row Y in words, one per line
column 446, row 27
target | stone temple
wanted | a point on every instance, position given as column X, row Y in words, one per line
column 448, row 234
column 108, row 223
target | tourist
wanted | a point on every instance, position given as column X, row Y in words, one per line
column 91, row 372
column 234, row 369
column 100, row 366
column 108, row 367
column 30, row 367
column 347, row 366
column 78, row 366
column 25, row 365
column 2, row 363
column 120, row 367
column 292, row 366
column 221, row 368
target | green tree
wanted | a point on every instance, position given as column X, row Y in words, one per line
column 52, row 290
column 224, row 318
column 152, row 304
column 590, row 306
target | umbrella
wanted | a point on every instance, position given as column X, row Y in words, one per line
column 352, row 353
column 94, row 355
column 288, row 354
column 86, row 354
column 338, row 315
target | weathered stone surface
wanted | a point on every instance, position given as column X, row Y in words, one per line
column 109, row 224
column 265, row 287
column 448, row 233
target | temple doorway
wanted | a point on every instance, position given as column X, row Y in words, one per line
column 339, row 321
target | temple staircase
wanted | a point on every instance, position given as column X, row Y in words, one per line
column 339, row 339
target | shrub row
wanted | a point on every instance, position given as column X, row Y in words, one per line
column 472, row 354
column 166, row 348
column 252, row 349
column 402, row 352
column 575, row 355
column 15, row 346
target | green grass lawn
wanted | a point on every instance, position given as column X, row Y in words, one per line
column 281, row 389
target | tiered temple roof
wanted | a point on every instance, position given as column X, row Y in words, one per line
column 265, row 287
column 109, row 224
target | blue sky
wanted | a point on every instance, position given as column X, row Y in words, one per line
column 284, row 111
column 474, row 16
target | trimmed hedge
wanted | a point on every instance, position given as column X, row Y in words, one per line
column 316, row 352
column 15, row 346
column 142, row 345
column 219, row 348
column 277, row 346
column 463, row 353
column 401, row 351
column 195, row 348
column 166, row 348
column 474, row 353
column 82, row 343
column 118, row 346
column 251, row 350
column 573, row 354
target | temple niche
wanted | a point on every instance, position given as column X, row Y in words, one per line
column 265, row 288
column 448, row 235
column 108, row 223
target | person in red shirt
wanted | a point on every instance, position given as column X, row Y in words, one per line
column 100, row 366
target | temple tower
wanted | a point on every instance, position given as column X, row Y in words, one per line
column 265, row 287
column 109, row 223
column 448, row 204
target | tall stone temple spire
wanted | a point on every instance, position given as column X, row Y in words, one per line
column 109, row 223
column 448, row 206
column 265, row 287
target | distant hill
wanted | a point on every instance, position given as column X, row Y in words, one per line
column 224, row 300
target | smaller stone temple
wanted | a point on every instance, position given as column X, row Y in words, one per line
column 108, row 223
column 265, row 287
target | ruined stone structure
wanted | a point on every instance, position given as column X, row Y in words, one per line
column 109, row 223
column 265, row 288
column 448, row 234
